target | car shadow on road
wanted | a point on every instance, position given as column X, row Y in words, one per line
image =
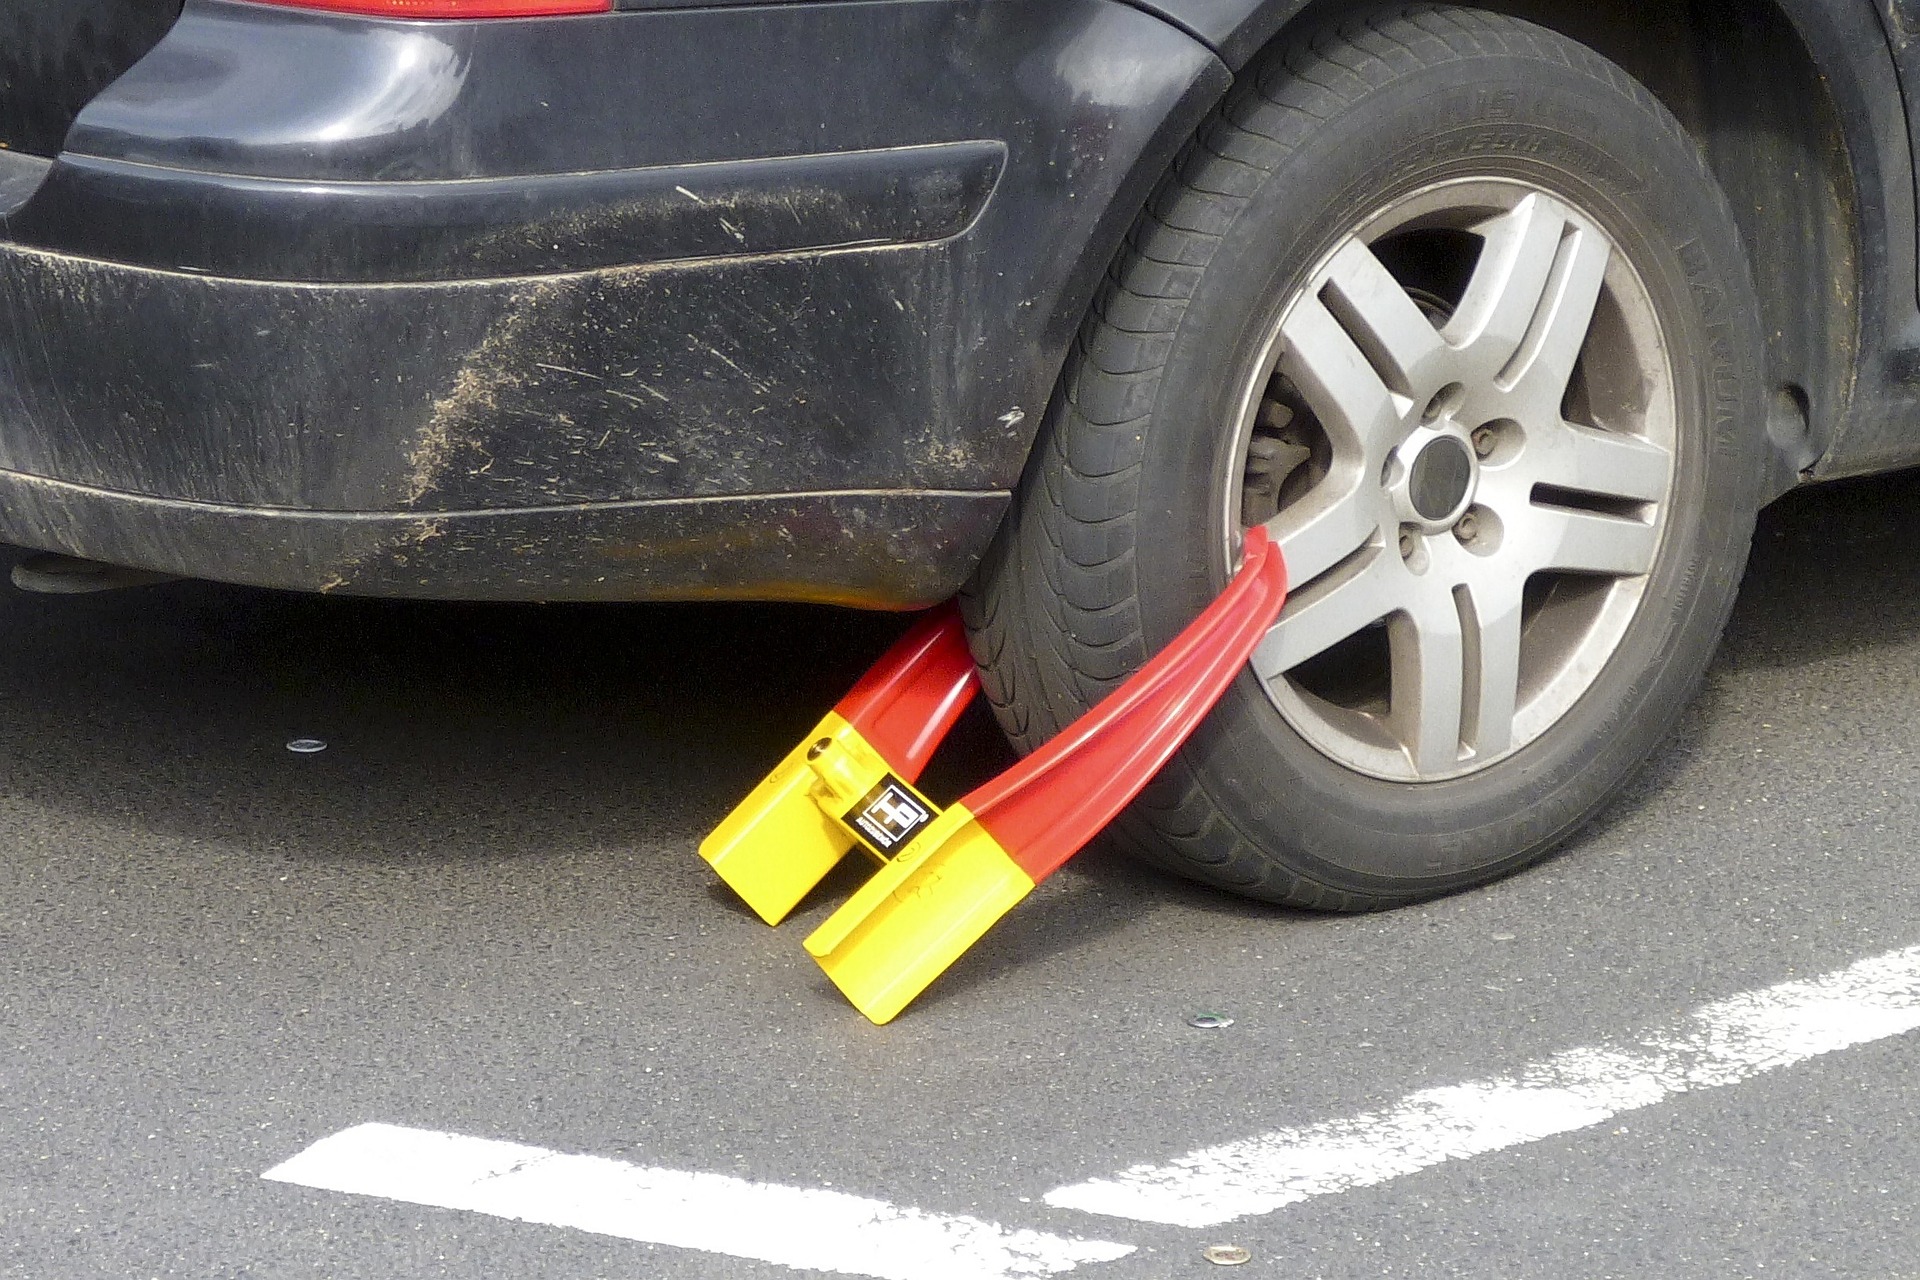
column 1820, row 555
column 452, row 731
column 499, row 733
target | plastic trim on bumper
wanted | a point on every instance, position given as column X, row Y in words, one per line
column 486, row 228
column 873, row 549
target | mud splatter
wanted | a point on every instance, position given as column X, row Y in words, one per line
column 395, row 547
column 489, row 369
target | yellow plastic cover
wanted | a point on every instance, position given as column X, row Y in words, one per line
column 903, row 928
column 779, row 842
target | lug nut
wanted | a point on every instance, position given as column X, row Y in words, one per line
column 1483, row 441
column 1467, row 528
column 1406, row 545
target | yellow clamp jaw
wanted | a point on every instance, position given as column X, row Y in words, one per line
column 930, row 902
column 785, row 837
column 832, row 793
column 942, row 882
column 780, row 842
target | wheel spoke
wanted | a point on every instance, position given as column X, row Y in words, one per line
column 1322, row 529
column 1542, row 366
column 1322, row 615
column 1528, row 306
column 1346, row 395
column 1587, row 460
column 1575, row 541
column 1353, row 347
column 1382, row 320
column 1428, row 656
column 1490, row 628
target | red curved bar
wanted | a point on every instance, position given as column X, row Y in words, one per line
column 1043, row 810
column 908, row 700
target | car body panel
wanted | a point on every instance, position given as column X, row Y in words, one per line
column 1236, row 29
column 55, row 55
column 651, row 257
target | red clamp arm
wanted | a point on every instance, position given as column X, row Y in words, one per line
column 1043, row 810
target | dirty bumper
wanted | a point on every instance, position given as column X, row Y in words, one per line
column 531, row 438
column 631, row 331
column 877, row 549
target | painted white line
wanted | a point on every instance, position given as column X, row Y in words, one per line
column 1723, row 1043
column 794, row 1226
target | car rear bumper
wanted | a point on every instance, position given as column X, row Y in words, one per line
column 453, row 439
column 398, row 308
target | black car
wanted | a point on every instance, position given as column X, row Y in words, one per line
column 1503, row 319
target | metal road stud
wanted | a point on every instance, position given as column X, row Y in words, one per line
column 793, row 828
column 946, row 876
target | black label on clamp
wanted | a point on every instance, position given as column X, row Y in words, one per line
column 888, row 816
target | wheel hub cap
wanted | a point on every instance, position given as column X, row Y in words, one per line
column 1431, row 478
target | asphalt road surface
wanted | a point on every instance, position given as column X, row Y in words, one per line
column 478, row 912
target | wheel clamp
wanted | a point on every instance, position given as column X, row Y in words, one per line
column 945, row 876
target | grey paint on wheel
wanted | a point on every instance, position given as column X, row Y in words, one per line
column 1517, row 436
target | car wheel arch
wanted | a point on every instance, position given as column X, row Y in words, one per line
column 1851, row 242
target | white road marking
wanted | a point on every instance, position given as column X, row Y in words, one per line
column 1723, row 1043
column 794, row 1226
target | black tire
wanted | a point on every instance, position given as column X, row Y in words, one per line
column 1113, row 542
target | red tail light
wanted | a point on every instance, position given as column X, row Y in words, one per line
column 451, row 8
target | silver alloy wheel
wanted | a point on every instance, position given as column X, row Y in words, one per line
column 1462, row 436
